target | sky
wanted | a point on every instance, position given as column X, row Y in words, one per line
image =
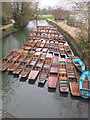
column 47, row 3
column 66, row 4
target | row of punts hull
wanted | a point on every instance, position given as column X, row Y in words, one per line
column 48, row 56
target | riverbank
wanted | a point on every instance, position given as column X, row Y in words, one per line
column 6, row 26
column 9, row 31
column 70, row 37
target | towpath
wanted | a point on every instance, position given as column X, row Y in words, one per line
column 71, row 30
column 6, row 26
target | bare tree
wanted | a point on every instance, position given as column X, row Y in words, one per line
column 80, row 19
column 60, row 14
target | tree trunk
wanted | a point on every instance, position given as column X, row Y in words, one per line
column 21, row 14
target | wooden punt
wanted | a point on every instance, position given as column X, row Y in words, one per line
column 72, row 77
column 33, row 74
column 10, row 61
column 53, row 74
column 68, row 50
column 47, row 63
column 61, row 39
column 37, row 68
column 74, row 89
column 63, row 80
column 44, row 72
column 49, row 55
column 27, row 56
column 39, row 64
column 56, row 50
column 43, row 55
column 51, row 50
column 42, row 45
column 38, row 43
column 8, row 57
column 71, row 71
column 30, row 65
column 44, row 50
column 47, row 28
column 37, row 53
column 62, row 50
column 52, row 80
column 21, row 65
column 32, row 45
column 79, row 64
column 62, row 53
column 84, row 84
column 46, row 45
column 27, row 48
column 38, row 49
column 47, row 32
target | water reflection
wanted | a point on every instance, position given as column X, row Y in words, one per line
column 23, row 79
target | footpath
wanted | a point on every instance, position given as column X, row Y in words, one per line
column 6, row 26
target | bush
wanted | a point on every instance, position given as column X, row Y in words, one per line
column 16, row 25
column 5, row 20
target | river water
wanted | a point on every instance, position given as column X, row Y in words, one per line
column 25, row 100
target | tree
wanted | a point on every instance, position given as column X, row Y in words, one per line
column 6, row 12
column 80, row 11
column 23, row 12
column 60, row 14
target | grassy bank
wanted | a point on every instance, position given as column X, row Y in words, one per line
column 51, row 17
column 8, row 31
column 75, row 45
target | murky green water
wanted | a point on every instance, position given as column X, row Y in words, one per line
column 24, row 100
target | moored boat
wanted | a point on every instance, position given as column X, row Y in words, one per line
column 45, row 50
column 63, row 80
column 22, row 64
column 25, row 55
column 37, row 68
column 30, row 65
column 43, row 76
column 72, row 77
column 33, row 74
column 49, row 55
column 84, row 84
column 8, row 57
column 44, row 71
column 62, row 50
column 53, row 74
column 10, row 61
column 79, row 63
column 68, row 50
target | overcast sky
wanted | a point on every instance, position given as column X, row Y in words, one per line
column 62, row 3
column 66, row 4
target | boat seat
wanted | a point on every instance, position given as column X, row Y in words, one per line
column 23, row 73
column 41, row 79
column 85, row 95
column 43, row 76
column 63, row 82
column 26, row 70
column 63, row 85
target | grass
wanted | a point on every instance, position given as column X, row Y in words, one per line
column 47, row 16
